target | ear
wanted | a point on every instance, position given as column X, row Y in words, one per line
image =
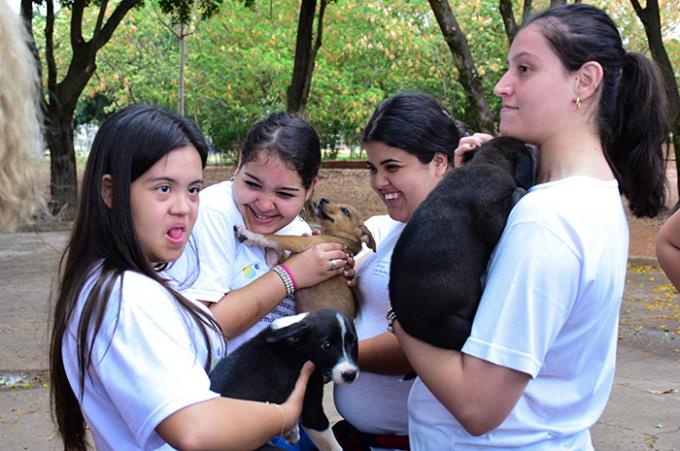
column 310, row 190
column 292, row 334
column 367, row 237
column 588, row 80
column 107, row 190
column 290, row 328
column 440, row 164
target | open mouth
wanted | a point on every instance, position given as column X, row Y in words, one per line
column 320, row 212
column 176, row 234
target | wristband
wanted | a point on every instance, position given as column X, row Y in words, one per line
column 286, row 279
column 290, row 274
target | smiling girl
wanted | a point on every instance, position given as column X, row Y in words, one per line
column 129, row 355
column 276, row 174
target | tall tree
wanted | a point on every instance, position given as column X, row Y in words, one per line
column 305, row 54
column 467, row 71
column 184, row 17
column 62, row 95
column 651, row 20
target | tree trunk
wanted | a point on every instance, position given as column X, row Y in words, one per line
column 63, row 180
column 63, row 95
column 651, row 20
column 467, row 72
column 303, row 52
column 182, row 61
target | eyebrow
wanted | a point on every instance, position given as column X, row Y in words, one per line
column 520, row 55
column 389, row 160
column 163, row 178
column 281, row 188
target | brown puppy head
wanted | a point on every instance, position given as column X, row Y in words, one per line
column 344, row 221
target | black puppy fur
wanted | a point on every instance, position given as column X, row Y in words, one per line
column 266, row 367
column 440, row 258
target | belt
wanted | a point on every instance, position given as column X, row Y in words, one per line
column 352, row 439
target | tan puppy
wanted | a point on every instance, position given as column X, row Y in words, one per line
column 339, row 224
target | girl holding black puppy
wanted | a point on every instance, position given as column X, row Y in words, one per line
column 129, row 355
column 538, row 367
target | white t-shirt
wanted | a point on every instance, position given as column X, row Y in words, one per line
column 145, row 366
column 550, row 309
column 375, row 403
column 224, row 263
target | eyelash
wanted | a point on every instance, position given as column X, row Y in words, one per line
column 256, row 186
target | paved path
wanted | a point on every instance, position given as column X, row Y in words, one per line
column 643, row 412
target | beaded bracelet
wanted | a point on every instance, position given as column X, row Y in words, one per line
column 290, row 274
column 390, row 317
column 286, row 279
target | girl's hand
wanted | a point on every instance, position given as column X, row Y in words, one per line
column 292, row 407
column 466, row 144
column 349, row 273
column 317, row 264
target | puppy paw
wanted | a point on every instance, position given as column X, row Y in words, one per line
column 244, row 235
column 292, row 436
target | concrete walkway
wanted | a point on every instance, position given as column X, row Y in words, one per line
column 643, row 412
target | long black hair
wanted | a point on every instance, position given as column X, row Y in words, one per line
column 125, row 147
column 632, row 116
column 416, row 123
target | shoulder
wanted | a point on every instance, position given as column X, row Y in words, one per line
column 218, row 198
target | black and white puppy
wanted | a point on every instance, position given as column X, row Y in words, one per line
column 266, row 367
column 440, row 258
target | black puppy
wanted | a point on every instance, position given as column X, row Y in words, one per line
column 266, row 367
column 438, row 262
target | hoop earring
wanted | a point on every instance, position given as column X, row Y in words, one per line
column 578, row 102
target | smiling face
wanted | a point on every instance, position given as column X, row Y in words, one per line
column 268, row 193
column 164, row 203
column 537, row 90
column 400, row 179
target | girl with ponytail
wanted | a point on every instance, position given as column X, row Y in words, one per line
column 538, row 367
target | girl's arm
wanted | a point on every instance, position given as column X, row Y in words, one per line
column 478, row 393
column 231, row 424
column 668, row 248
column 240, row 309
column 383, row 355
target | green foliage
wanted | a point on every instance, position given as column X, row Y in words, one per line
column 240, row 62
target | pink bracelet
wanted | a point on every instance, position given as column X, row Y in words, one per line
column 290, row 274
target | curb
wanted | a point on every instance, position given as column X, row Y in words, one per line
column 643, row 261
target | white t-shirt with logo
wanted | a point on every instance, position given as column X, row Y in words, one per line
column 224, row 263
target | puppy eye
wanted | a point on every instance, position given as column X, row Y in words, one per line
column 326, row 346
column 345, row 211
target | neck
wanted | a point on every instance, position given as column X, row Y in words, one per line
column 573, row 154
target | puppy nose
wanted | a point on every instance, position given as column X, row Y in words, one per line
column 323, row 201
column 348, row 376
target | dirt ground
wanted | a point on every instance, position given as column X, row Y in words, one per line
column 643, row 411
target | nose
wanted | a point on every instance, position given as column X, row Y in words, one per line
column 181, row 205
column 348, row 376
column 378, row 180
column 503, row 87
column 265, row 202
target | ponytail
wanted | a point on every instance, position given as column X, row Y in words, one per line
column 632, row 112
column 639, row 126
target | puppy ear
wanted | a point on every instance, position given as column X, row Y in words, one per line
column 367, row 237
column 290, row 328
column 291, row 334
column 524, row 168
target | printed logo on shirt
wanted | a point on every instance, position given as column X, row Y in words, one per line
column 250, row 271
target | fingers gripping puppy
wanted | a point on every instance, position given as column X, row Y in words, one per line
column 438, row 263
column 266, row 367
column 339, row 224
